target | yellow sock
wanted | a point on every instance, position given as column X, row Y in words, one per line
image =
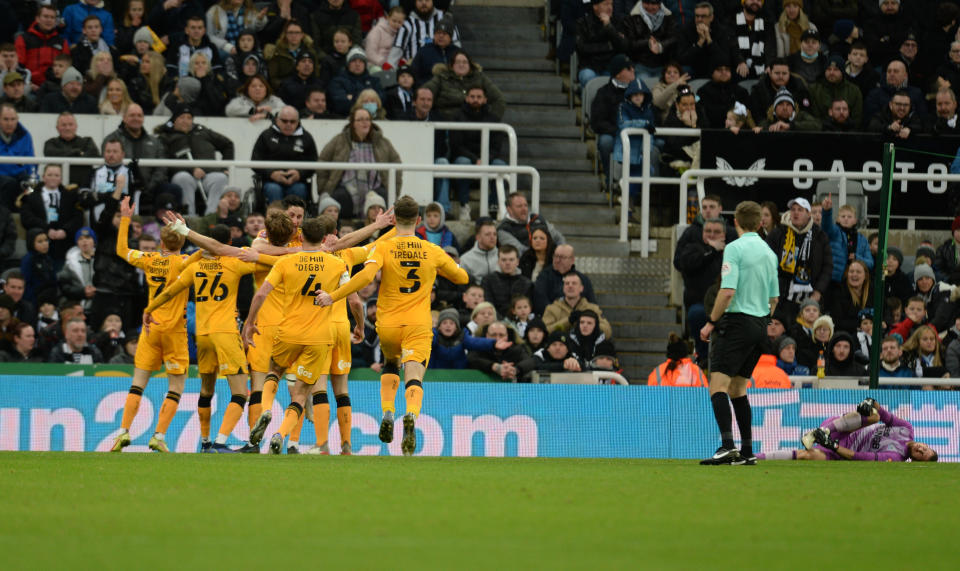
column 131, row 407
column 290, row 418
column 167, row 410
column 344, row 418
column 203, row 412
column 414, row 396
column 269, row 391
column 254, row 407
column 389, row 383
column 232, row 416
column 321, row 417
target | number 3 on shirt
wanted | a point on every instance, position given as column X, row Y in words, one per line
column 217, row 289
column 411, row 275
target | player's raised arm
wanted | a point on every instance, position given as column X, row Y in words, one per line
column 176, row 223
column 123, row 233
column 383, row 220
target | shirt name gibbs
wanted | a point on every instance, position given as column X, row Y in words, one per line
column 409, row 251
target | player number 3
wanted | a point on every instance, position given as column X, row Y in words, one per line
column 411, row 275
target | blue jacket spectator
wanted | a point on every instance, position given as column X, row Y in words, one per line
column 434, row 228
column 839, row 238
column 353, row 79
column 75, row 14
column 634, row 112
column 19, row 143
column 451, row 343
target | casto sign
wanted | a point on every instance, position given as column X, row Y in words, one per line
column 832, row 152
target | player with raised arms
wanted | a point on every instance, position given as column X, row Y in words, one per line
column 857, row 436
column 276, row 239
column 215, row 277
column 165, row 344
column 305, row 336
column 409, row 268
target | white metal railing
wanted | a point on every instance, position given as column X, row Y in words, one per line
column 485, row 129
column 684, row 180
column 447, row 171
column 862, row 382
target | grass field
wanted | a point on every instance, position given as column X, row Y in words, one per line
column 151, row 511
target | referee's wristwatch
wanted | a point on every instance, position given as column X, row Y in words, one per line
column 711, row 322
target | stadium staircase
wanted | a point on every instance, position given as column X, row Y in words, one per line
column 507, row 41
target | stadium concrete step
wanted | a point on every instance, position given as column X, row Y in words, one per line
column 551, row 116
column 604, row 230
column 592, row 246
column 640, row 345
column 569, row 181
column 639, row 365
column 548, row 148
column 526, row 81
column 572, row 164
column 642, row 314
column 520, row 63
column 491, row 16
column 483, row 50
column 581, row 213
column 536, row 98
column 569, row 197
column 473, row 35
column 646, row 330
column 641, row 299
column 547, row 131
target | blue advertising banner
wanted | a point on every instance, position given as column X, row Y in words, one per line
column 469, row 419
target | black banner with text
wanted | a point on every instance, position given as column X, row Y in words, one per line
column 833, row 152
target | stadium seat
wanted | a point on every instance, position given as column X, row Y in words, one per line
column 748, row 84
column 696, row 84
column 589, row 93
column 387, row 77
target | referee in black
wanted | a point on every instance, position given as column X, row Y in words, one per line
column 736, row 328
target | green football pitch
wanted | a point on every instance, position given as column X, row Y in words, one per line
column 191, row 511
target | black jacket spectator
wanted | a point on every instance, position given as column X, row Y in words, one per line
column 764, row 92
column 143, row 146
column 605, row 108
column 499, row 289
column 69, row 218
column 699, row 264
column 328, row 16
column 467, row 143
column 848, row 367
column 549, row 287
column 880, row 123
column 165, row 21
column 946, row 263
column 77, row 147
column 8, row 235
column 597, row 42
column 879, row 98
column 293, row 90
column 884, row 33
column 63, row 353
column 818, row 265
column 201, row 142
column 58, row 103
column 638, row 34
column 485, row 360
column 427, row 57
column 718, row 98
column 273, row 145
column 703, row 58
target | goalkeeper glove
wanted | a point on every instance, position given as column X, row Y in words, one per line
column 867, row 406
column 822, row 437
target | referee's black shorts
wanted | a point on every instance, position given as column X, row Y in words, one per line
column 736, row 344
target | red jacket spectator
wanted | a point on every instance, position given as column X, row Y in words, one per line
column 36, row 50
column 767, row 375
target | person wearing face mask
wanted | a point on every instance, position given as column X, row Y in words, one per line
column 807, row 61
column 360, row 141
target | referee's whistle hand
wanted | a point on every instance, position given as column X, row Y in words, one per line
column 706, row 331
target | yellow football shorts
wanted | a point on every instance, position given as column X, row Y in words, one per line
column 406, row 343
column 158, row 349
column 312, row 360
column 221, row 353
column 340, row 359
column 258, row 355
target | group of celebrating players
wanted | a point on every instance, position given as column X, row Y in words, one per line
column 297, row 323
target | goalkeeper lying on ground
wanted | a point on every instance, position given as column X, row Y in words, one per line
column 857, row 436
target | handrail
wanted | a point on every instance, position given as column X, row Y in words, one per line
column 889, row 381
column 448, row 171
column 485, row 129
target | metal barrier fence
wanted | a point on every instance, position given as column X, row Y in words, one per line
column 684, row 181
column 447, row 171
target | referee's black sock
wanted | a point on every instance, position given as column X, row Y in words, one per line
column 741, row 407
column 721, row 411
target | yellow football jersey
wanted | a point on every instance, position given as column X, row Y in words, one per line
column 300, row 276
column 409, row 266
column 271, row 313
column 215, row 281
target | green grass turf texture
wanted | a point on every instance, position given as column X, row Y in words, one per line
column 192, row 511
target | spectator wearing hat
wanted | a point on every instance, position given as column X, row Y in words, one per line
column 451, row 342
column 651, row 33
column 9, row 63
column 70, row 97
column 884, row 32
column 293, row 90
column 416, row 31
column 226, row 211
column 54, row 210
column 909, row 51
column 331, row 15
column 74, row 349
column 896, row 283
column 845, row 34
column 678, row 370
column 804, row 257
column 833, row 86
column 285, row 140
column 786, row 353
column 585, row 336
column 939, row 302
column 556, row 357
column 947, row 261
column 185, row 90
column 898, row 120
column 791, row 29
column 719, row 95
column 440, row 51
column 946, row 122
column 841, row 356
column 40, row 43
column 836, row 15
column 807, row 62
column 599, row 39
column 282, row 56
column 15, row 141
column 128, row 349
column 361, row 140
column 13, row 93
column 185, row 140
column 76, row 277
column 704, row 42
column 348, row 84
column 399, row 101
column 784, row 116
column 776, row 77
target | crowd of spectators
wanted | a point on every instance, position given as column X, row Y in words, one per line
column 824, row 322
column 887, row 67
